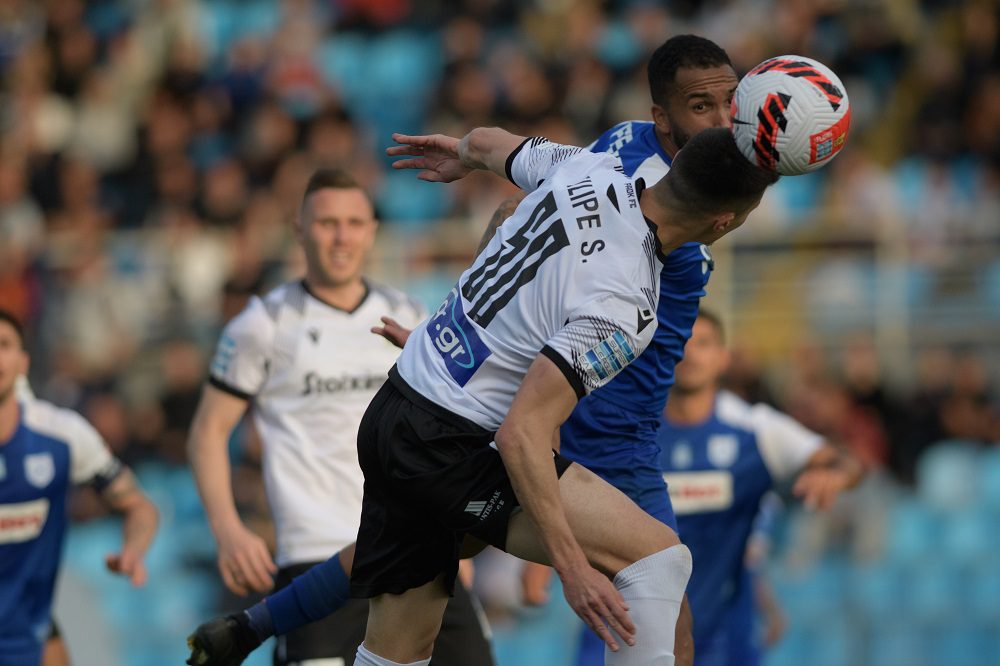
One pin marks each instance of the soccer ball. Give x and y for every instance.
(790, 114)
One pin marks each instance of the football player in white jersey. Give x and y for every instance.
(462, 439)
(44, 450)
(720, 455)
(303, 360)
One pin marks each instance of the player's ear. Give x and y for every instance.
(660, 119)
(721, 221)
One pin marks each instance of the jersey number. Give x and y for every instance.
(491, 286)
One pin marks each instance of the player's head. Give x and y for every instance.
(13, 357)
(705, 356)
(711, 187)
(691, 82)
(336, 227)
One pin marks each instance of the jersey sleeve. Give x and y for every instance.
(532, 161)
(241, 359)
(600, 339)
(91, 459)
(784, 443)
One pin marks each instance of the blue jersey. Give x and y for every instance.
(717, 473)
(613, 430)
(50, 450)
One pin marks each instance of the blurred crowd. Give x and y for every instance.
(153, 152)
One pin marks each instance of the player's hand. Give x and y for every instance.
(819, 487)
(436, 155)
(392, 331)
(129, 564)
(599, 604)
(535, 579)
(244, 561)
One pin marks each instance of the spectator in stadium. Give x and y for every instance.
(720, 455)
(303, 358)
(44, 450)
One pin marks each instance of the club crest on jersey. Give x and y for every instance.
(722, 450)
(39, 469)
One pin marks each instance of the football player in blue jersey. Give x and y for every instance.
(43, 451)
(720, 455)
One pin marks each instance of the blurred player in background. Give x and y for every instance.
(45, 450)
(720, 456)
(304, 359)
(461, 439)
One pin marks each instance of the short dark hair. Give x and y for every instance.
(710, 175)
(333, 178)
(10, 318)
(681, 51)
(715, 321)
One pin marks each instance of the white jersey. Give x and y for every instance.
(310, 369)
(573, 274)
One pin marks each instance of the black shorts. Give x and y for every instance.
(431, 477)
(463, 640)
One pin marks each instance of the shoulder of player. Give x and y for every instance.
(58, 423)
(394, 299)
(736, 412)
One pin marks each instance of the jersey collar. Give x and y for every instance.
(364, 297)
(640, 186)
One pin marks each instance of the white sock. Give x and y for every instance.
(653, 588)
(366, 658)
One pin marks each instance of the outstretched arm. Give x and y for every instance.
(124, 496)
(443, 159)
(829, 471)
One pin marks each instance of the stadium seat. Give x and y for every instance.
(984, 595)
(342, 60)
(961, 643)
(877, 590)
(812, 595)
(946, 475)
(970, 537)
(913, 533)
(989, 478)
(897, 644)
(936, 593)
(403, 198)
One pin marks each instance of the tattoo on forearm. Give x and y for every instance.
(503, 211)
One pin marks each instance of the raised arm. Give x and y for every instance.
(244, 560)
(443, 159)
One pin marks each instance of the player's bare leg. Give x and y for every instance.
(55, 653)
(402, 627)
(626, 544)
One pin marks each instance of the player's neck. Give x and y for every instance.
(10, 415)
(691, 408)
(670, 236)
(666, 143)
(346, 296)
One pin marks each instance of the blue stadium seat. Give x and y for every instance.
(984, 595)
(342, 58)
(989, 478)
(961, 643)
(878, 590)
(812, 595)
(913, 533)
(403, 198)
(897, 644)
(936, 593)
(970, 537)
(946, 475)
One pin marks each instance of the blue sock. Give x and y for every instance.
(311, 596)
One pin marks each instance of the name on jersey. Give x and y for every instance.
(700, 492)
(23, 521)
(583, 196)
(313, 383)
(456, 340)
(620, 137)
(607, 357)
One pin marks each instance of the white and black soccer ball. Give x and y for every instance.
(790, 114)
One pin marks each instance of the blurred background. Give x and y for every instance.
(153, 152)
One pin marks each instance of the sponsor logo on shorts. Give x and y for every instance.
(608, 357)
(483, 509)
(23, 521)
(699, 492)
